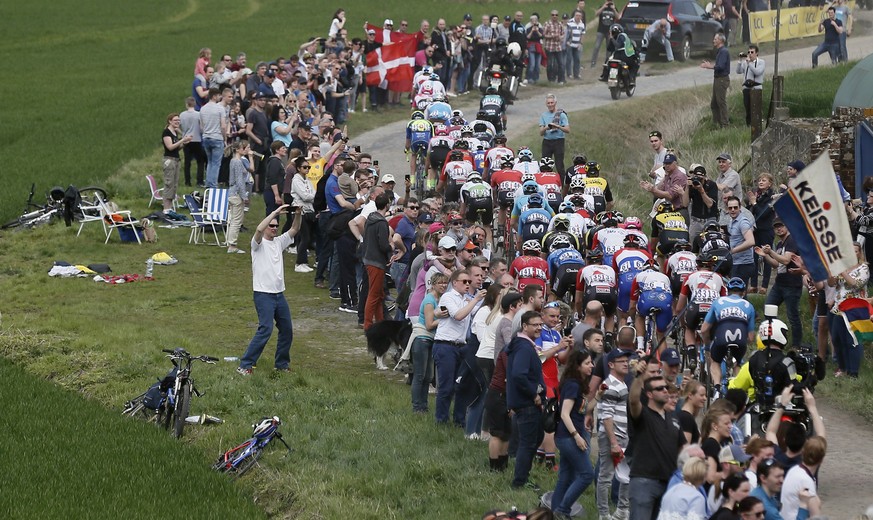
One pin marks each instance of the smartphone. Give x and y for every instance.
(407, 177)
(375, 163)
(358, 148)
(486, 284)
(444, 308)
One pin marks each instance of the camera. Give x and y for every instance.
(695, 182)
(743, 54)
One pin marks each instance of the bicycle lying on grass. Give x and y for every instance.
(37, 214)
(168, 401)
(241, 459)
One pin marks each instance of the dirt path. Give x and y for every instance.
(846, 482)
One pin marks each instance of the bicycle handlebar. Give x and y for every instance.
(182, 353)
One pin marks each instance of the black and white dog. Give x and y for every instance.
(383, 335)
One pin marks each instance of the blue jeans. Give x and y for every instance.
(575, 473)
(214, 149)
(848, 355)
(780, 293)
(270, 307)
(574, 61)
(598, 41)
(421, 372)
(463, 77)
(529, 423)
(844, 51)
(476, 409)
(744, 271)
(446, 358)
(555, 66)
(645, 497)
(533, 64)
(833, 50)
(323, 245)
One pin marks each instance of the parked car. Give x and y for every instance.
(691, 28)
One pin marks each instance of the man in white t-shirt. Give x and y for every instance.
(802, 478)
(268, 283)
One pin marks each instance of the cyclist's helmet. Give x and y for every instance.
(418, 114)
(427, 70)
(501, 42)
(535, 201)
(475, 175)
(264, 426)
(607, 219)
(736, 284)
(507, 162)
(466, 129)
(618, 216)
(562, 221)
(525, 155)
(547, 164)
(579, 159)
(57, 194)
(434, 77)
(632, 240)
(529, 187)
(712, 225)
(681, 245)
(440, 129)
(566, 207)
(462, 144)
(528, 176)
(717, 260)
(615, 29)
(773, 332)
(594, 255)
(560, 242)
(578, 200)
(456, 155)
(577, 183)
(593, 168)
(491, 90)
(633, 223)
(500, 139)
(532, 246)
(457, 113)
(664, 207)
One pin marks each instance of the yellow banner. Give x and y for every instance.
(795, 22)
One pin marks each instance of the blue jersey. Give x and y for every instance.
(563, 256)
(731, 308)
(533, 224)
(438, 111)
(520, 205)
(479, 160)
(418, 133)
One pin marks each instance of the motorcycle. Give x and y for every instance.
(619, 78)
(494, 76)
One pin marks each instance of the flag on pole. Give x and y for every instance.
(856, 312)
(814, 212)
(392, 66)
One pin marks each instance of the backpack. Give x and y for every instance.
(155, 395)
(551, 414)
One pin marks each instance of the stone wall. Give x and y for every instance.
(837, 139)
(781, 143)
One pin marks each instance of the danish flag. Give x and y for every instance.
(392, 66)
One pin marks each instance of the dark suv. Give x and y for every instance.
(691, 29)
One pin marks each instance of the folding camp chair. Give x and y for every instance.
(117, 220)
(215, 208)
(91, 213)
(201, 223)
(157, 193)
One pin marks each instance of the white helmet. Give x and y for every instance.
(528, 176)
(531, 245)
(525, 155)
(475, 175)
(773, 331)
(577, 182)
(514, 49)
(426, 70)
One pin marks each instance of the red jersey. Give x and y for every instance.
(551, 183)
(505, 183)
(530, 270)
(703, 287)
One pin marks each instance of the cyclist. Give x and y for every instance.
(476, 203)
(700, 289)
(524, 161)
(577, 223)
(578, 169)
(467, 136)
(559, 229)
(627, 263)
(668, 227)
(577, 195)
(438, 111)
(418, 134)
(565, 262)
(437, 151)
(768, 369)
(610, 236)
(420, 77)
(598, 188)
(651, 290)
(455, 173)
(680, 265)
(496, 154)
(534, 221)
(597, 282)
(530, 268)
(634, 226)
(711, 232)
(492, 108)
(504, 183)
(429, 90)
(479, 158)
(730, 324)
(550, 181)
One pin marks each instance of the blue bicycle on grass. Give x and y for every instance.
(241, 459)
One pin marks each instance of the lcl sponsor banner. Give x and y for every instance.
(796, 22)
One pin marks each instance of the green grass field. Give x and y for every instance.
(357, 446)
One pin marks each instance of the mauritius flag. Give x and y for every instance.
(856, 312)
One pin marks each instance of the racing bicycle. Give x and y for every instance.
(240, 459)
(420, 181)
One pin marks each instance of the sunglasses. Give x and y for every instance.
(456, 222)
(414, 208)
(655, 134)
(305, 167)
(551, 305)
(756, 514)
(733, 207)
(274, 226)
(465, 282)
(658, 388)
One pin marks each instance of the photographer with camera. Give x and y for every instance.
(703, 196)
(752, 69)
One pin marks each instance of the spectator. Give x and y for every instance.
(442, 48)
(422, 345)
(575, 31)
(554, 126)
(750, 507)
(553, 39)
(525, 395)
(735, 488)
(800, 480)
(280, 128)
(303, 195)
(612, 437)
(732, 15)
(606, 16)
(721, 70)
(190, 126)
(844, 15)
(258, 134)
(760, 204)
(549, 345)
(484, 327)
(770, 479)
(851, 283)
(172, 142)
(728, 179)
(788, 283)
(214, 128)
(684, 500)
(268, 281)
(237, 193)
(832, 28)
(376, 256)
(203, 59)
(695, 400)
(275, 177)
(703, 199)
(404, 239)
(200, 88)
(759, 449)
(658, 31)
(535, 52)
(673, 187)
(337, 22)
(752, 69)
(742, 241)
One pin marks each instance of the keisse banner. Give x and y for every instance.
(796, 22)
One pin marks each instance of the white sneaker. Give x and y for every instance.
(291, 250)
(302, 268)
(472, 437)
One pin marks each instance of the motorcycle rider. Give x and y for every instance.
(504, 57)
(769, 369)
(622, 47)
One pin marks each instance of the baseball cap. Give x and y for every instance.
(724, 157)
(468, 16)
(510, 298)
(436, 226)
(245, 71)
(671, 357)
(447, 243)
(669, 158)
(778, 222)
(388, 21)
(618, 353)
(371, 31)
(387, 178)
(425, 218)
(470, 246)
(797, 165)
(697, 169)
(506, 18)
(304, 126)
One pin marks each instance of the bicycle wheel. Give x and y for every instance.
(420, 176)
(183, 404)
(89, 195)
(134, 406)
(11, 224)
(249, 461)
